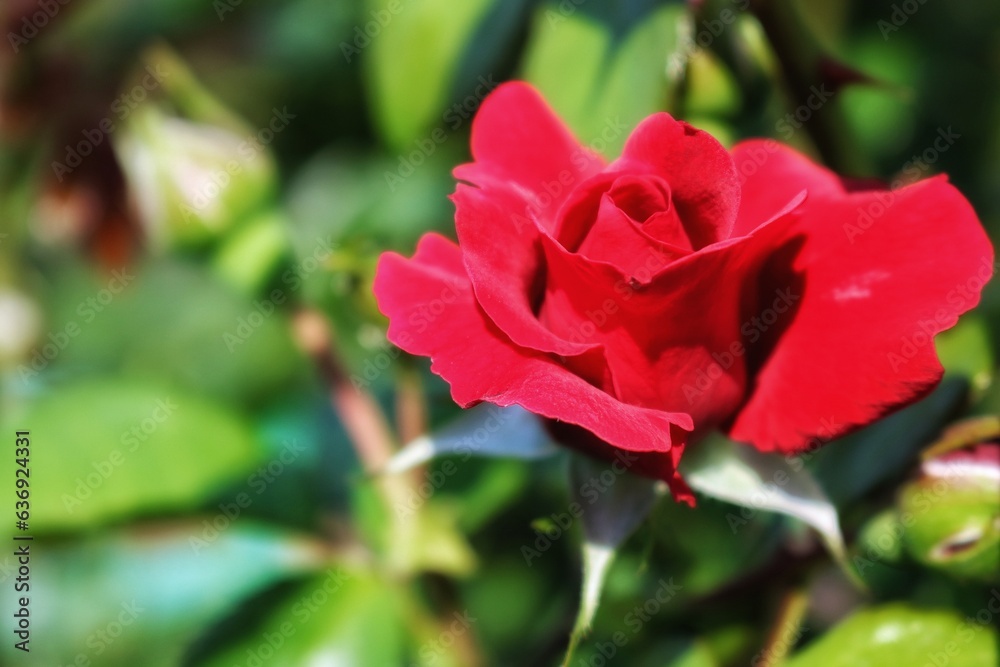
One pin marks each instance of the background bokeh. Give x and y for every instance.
(193, 195)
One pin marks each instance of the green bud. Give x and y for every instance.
(953, 513)
(881, 537)
(195, 170)
(191, 182)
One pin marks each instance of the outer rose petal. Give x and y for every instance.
(518, 140)
(503, 257)
(876, 290)
(773, 175)
(700, 171)
(432, 312)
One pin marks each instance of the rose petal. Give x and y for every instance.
(702, 178)
(772, 175)
(618, 239)
(671, 343)
(519, 141)
(883, 272)
(593, 224)
(432, 312)
(504, 260)
(640, 197)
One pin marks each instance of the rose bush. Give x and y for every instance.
(681, 288)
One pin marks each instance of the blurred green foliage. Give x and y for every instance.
(195, 496)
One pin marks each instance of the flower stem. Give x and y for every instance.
(786, 629)
(361, 415)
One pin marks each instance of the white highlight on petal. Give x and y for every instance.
(860, 286)
(851, 293)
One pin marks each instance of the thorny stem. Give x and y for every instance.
(366, 424)
(367, 428)
(411, 405)
(373, 440)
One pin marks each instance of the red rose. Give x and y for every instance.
(681, 287)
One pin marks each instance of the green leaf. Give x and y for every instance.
(741, 475)
(670, 652)
(213, 340)
(346, 616)
(364, 205)
(486, 430)
(250, 255)
(712, 90)
(410, 529)
(898, 634)
(193, 99)
(966, 350)
(619, 68)
(347, 197)
(881, 114)
(717, 546)
(688, 654)
(413, 60)
(498, 485)
(105, 450)
(435, 544)
(138, 596)
(518, 607)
